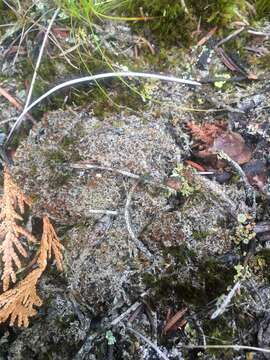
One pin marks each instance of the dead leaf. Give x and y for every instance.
(207, 37)
(256, 173)
(174, 183)
(233, 145)
(209, 139)
(206, 133)
(195, 165)
(175, 320)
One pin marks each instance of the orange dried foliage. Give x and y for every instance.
(213, 138)
(54, 245)
(10, 231)
(18, 304)
(206, 133)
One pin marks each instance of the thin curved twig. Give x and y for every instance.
(234, 347)
(120, 74)
(223, 306)
(85, 166)
(250, 193)
(136, 241)
(149, 342)
(39, 58)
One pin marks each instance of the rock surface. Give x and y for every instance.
(105, 271)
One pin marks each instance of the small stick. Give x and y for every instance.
(136, 241)
(104, 168)
(220, 104)
(149, 342)
(234, 347)
(174, 319)
(85, 348)
(219, 198)
(250, 194)
(103, 212)
(135, 314)
(154, 324)
(262, 227)
(221, 309)
(132, 308)
(258, 33)
(198, 325)
(230, 80)
(231, 36)
(207, 37)
(39, 58)
(131, 175)
(15, 103)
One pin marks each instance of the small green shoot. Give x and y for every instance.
(110, 338)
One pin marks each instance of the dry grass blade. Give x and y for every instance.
(207, 36)
(40, 57)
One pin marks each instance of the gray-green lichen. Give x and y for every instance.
(104, 269)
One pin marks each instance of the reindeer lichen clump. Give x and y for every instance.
(18, 302)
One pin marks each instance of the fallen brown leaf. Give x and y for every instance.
(233, 145)
(203, 40)
(174, 320)
(210, 139)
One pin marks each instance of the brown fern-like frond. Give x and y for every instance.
(18, 303)
(16, 196)
(54, 245)
(10, 231)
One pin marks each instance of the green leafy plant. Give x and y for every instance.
(186, 186)
(242, 273)
(110, 338)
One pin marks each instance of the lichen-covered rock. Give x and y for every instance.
(43, 162)
(102, 222)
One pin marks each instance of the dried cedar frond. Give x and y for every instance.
(54, 245)
(18, 304)
(11, 232)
